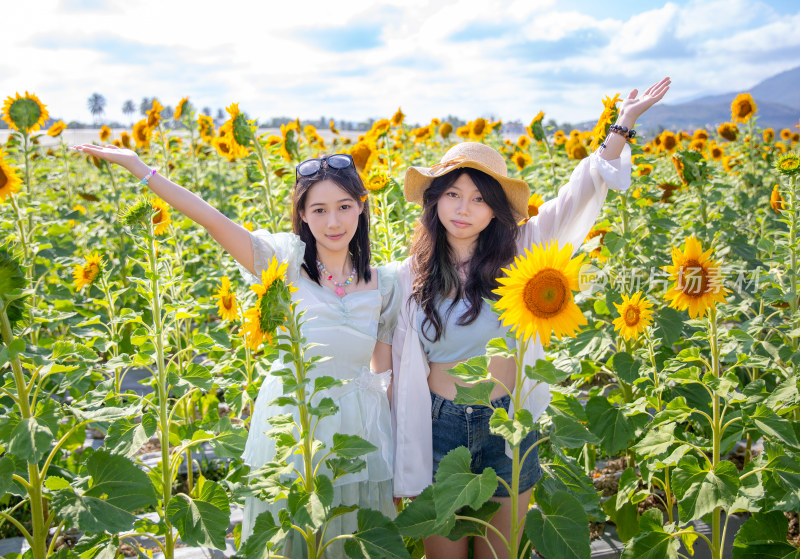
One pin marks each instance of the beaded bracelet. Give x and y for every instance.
(623, 131)
(627, 133)
(146, 178)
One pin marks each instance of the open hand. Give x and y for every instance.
(124, 157)
(633, 107)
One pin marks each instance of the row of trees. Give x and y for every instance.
(97, 105)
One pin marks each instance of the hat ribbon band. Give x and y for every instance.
(440, 167)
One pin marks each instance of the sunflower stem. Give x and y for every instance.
(65, 161)
(554, 183)
(39, 526)
(309, 482)
(793, 256)
(267, 194)
(716, 428)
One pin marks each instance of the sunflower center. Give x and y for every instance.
(744, 110)
(3, 178)
(632, 316)
(694, 279)
(158, 217)
(546, 294)
(227, 301)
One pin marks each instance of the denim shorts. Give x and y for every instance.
(457, 425)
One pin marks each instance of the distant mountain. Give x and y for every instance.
(777, 98)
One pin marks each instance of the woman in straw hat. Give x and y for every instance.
(467, 233)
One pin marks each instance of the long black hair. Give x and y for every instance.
(348, 180)
(434, 261)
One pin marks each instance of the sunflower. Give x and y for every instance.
(125, 140)
(376, 182)
(79, 208)
(716, 151)
(535, 129)
(536, 295)
(142, 133)
(698, 282)
(248, 225)
(601, 232)
(206, 127)
(635, 315)
(105, 133)
(729, 163)
(788, 164)
(332, 126)
(477, 128)
(523, 142)
(644, 169)
(534, 203)
(669, 142)
(445, 129)
(154, 114)
(24, 112)
(363, 155)
(397, 118)
(269, 312)
(183, 106)
(768, 135)
(9, 180)
(161, 218)
(700, 134)
(776, 201)
(728, 130)
(677, 162)
(422, 133)
(57, 129)
(743, 107)
(521, 159)
(85, 274)
(228, 308)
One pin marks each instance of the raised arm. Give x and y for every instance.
(234, 238)
(569, 217)
(630, 110)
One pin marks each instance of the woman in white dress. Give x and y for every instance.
(350, 310)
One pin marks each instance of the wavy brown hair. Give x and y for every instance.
(348, 180)
(434, 264)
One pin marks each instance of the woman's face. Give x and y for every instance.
(463, 212)
(332, 215)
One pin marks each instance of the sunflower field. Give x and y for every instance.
(131, 349)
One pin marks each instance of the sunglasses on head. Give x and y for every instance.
(312, 166)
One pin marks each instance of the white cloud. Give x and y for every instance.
(464, 57)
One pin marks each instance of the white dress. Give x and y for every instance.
(347, 329)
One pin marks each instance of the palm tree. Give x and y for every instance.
(129, 108)
(97, 105)
(145, 105)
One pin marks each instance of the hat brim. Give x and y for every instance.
(418, 179)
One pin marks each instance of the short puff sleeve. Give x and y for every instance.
(286, 247)
(390, 301)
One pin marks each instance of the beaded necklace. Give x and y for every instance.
(329, 276)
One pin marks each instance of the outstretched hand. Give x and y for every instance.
(112, 154)
(633, 107)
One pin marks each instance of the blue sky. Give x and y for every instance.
(355, 60)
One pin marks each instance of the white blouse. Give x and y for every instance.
(568, 218)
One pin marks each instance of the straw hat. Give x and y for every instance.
(476, 156)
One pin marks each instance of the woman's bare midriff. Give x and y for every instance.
(444, 384)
